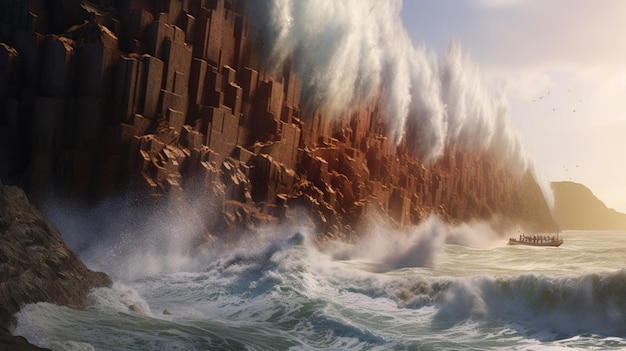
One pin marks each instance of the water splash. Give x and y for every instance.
(129, 240)
(351, 52)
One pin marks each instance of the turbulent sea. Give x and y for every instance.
(430, 288)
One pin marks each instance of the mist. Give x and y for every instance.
(355, 51)
(384, 248)
(130, 240)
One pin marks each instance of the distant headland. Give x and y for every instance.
(577, 208)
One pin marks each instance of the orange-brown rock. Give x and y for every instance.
(170, 98)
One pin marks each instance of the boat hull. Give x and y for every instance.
(556, 243)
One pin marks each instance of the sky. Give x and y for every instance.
(562, 65)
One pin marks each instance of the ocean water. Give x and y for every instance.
(431, 287)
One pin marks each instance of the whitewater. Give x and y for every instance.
(430, 287)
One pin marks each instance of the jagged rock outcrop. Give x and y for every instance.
(35, 263)
(577, 208)
(171, 99)
(10, 342)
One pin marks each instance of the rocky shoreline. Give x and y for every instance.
(9, 342)
(36, 265)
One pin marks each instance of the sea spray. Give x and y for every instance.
(283, 293)
(129, 240)
(351, 52)
(357, 52)
(387, 248)
(474, 233)
(277, 287)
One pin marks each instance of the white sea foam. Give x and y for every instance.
(386, 248)
(351, 52)
(354, 51)
(285, 292)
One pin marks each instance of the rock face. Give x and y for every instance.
(171, 99)
(9, 342)
(576, 207)
(35, 264)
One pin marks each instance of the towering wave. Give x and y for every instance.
(353, 51)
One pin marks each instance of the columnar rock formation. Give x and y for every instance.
(171, 98)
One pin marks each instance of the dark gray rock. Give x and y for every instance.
(136, 308)
(35, 263)
(9, 342)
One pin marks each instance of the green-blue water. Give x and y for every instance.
(422, 290)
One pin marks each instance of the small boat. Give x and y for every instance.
(537, 240)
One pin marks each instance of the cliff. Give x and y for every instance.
(576, 207)
(173, 101)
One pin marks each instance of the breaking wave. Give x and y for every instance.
(283, 291)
